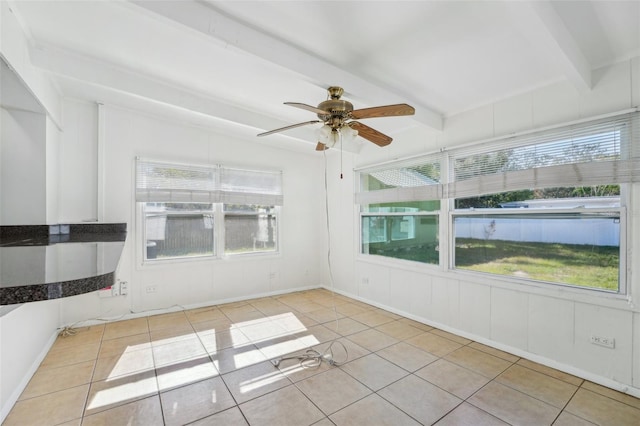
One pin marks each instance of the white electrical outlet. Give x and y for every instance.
(151, 289)
(607, 342)
(124, 288)
(365, 281)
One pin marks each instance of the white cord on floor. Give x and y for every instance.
(72, 330)
(313, 358)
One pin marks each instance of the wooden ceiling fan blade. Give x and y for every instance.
(384, 111)
(321, 147)
(293, 126)
(370, 134)
(307, 107)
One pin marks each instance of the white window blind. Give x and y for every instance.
(595, 153)
(415, 181)
(251, 187)
(168, 182)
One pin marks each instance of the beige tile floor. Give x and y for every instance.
(212, 366)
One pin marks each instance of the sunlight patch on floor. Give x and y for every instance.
(125, 392)
(260, 381)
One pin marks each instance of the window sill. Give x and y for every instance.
(249, 256)
(208, 259)
(408, 265)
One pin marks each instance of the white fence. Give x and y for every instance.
(591, 231)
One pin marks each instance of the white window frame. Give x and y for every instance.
(625, 166)
(405, 188)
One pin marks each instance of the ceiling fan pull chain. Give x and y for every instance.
(341, 146)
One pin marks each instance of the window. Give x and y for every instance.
(409, 235)
(405, 229)
(544, 206)
(207, 211)
(585, 156)
(250, 229)
(175, 230)
(572, 248)
(512, 218)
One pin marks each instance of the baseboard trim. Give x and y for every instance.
(178, 308)
(6, 409)
(569, 369)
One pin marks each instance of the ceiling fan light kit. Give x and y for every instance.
(338, 115)
(329, 136)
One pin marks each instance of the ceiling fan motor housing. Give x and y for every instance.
(335, 108)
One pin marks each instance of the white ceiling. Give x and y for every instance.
(236, 62)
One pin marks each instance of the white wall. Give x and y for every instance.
(549, 325)
(52, 170)
(28, 180)
(128, 134)
(78, 160)
(23, 169)
(27, 334)
(28, 196)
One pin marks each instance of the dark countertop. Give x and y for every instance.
(49, 240)
(52, 261)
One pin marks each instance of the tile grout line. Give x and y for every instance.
(418, 377)
(210, 358)
(219, 375)
(479, 408)
(237, 404)
(295, 384)
(608, 397)
(582, 381)
(567, 404)
(95, 365)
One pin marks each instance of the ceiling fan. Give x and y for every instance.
(338, 115)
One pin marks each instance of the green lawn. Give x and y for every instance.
(425, 253)
(581, 265)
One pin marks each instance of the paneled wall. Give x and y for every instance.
(128, 134)
(549, 325)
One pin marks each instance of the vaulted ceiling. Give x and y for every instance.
(236, 62)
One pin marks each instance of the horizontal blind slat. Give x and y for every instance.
(600, 152)
(416, 180)
(168, 182)
(585, 143)
(566, 175)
